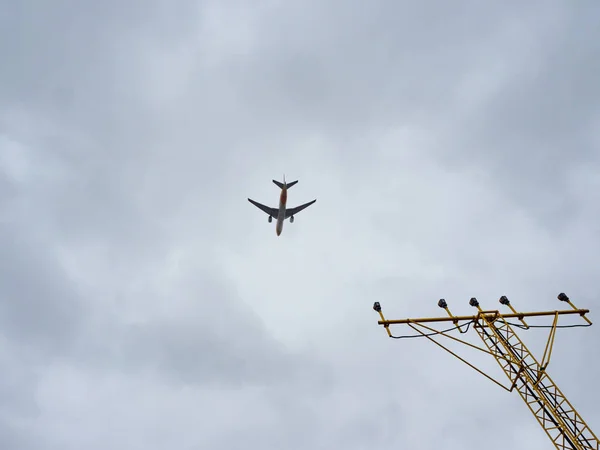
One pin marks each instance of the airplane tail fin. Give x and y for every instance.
(281, 185)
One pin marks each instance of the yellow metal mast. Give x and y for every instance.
(557, 416)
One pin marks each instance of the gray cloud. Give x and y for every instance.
(201, 336)
(146, 304)
(539, 125)
(38, 305)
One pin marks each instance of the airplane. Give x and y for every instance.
(282, 212)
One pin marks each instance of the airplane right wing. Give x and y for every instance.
(273, 212)
(297, 209)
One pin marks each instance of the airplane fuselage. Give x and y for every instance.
(281, 215)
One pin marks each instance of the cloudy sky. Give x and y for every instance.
(145, 304)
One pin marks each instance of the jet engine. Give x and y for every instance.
(292, 219)
(270, 219)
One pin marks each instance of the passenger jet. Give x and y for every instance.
(282, 212)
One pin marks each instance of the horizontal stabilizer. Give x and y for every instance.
(280, 184)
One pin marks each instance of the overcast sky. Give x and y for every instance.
(452, 147)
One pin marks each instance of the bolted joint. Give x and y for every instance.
(377, 306)
(563, 297)
(442, 303)
(473, 302)
(504, 300)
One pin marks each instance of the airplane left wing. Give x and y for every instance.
(273, 212)
(293, 211)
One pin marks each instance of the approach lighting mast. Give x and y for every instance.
(559, 419)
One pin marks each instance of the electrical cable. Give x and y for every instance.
(409, 336)
(468, 324)
(519, 325)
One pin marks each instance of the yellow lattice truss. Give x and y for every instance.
(557, 416)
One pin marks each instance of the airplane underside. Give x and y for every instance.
(282, 213)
